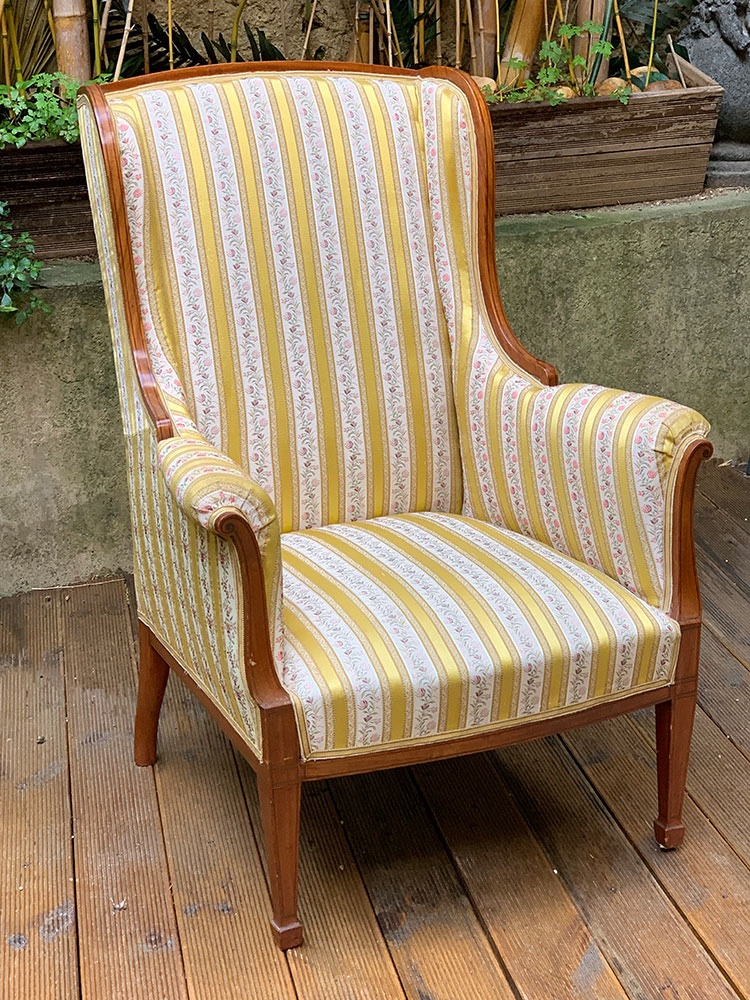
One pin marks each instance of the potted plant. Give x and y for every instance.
(41, 168)
(567, 135)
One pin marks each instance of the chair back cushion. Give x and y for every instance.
(284, 248)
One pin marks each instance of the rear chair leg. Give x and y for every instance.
(674, 728)
(280, 792)
(152, 682)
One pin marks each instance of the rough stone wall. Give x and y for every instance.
(284, 24)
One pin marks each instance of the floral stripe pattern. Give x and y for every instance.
(187, 577)
(322, 368)
(448, 545)
(409, 627)
(587, 470)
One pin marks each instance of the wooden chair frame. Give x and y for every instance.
(281, 773)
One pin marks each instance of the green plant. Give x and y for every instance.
(43, 107)
(561, 72)
(19, 270)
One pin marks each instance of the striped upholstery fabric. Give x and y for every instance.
(408, 627)
(187, 578)
(477, 548)
(321, 367)
(587, 470)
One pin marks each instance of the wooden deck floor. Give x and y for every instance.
(529, 872)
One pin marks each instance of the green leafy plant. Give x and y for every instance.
(43, 107)
(561, 72)
(19, 270)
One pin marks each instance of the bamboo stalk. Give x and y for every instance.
(371, 46)
(95, 29)
(389, 29)
(458, 34)
(13, 38)
(415, 44)
(309, 28)
(124, 42)
(438, 34)
(653, 44)
(621, 33)
(103, 30)
(421, 32)
(144, 37)
(71, 29)
(50, 22)
(676, 61)
(236, 30)
(522, 40)
(170, 31)
(480, 19)
(6, 46)
(470, 32)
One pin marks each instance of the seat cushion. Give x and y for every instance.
(407, 628)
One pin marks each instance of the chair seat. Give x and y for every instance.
(407, 628)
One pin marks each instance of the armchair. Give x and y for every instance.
(369, 528)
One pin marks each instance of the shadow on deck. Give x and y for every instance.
(528, 872)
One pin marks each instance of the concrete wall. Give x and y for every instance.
(653, 298)
(63, 507)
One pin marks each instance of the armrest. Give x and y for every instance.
(590, 471)
(212, 489)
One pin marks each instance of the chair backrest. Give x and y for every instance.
(298, 295)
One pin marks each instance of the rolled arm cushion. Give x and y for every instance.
(588, 470)
(207, 483)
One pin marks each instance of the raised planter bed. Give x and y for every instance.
(44, 184)
(597, 151)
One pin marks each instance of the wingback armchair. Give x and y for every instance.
(370, 529)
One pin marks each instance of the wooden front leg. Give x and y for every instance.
(280, 793)
(674, 729)
(153, 675)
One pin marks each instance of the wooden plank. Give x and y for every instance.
(129, 945)
(217, 878)
(435, 938)
(602, 125)
(725, 605)
(45, 186)
(640, 933)
(344, 954)
(718, 779)
(729, 489)
(38, 949)
(704, 878)
(724, 690)
(542, 940)
(528, 184)
(718, 539)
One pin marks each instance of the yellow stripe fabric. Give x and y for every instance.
(187, 579)
(301, 300)
(402, 628)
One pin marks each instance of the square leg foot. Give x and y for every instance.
(669, 835)
(287, 936)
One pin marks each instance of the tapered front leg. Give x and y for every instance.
(153, 675)
(674, 728)
(280, 792)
